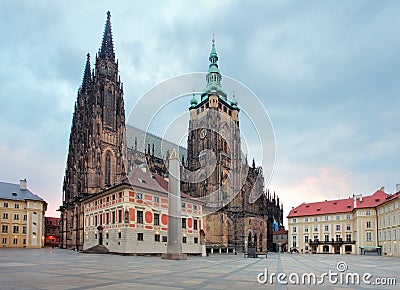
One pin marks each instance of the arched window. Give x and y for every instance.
(107, 180)
(109, 109)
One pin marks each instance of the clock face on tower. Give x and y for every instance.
(203, 133)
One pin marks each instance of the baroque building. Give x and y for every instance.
(100, 140)
(132, 217)
(21, 216)
(354, 225)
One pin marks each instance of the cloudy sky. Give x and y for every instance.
(328, 73)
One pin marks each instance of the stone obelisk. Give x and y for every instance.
(174, 246)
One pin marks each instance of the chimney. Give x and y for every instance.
(382, 189)
(355, 196)
(397, 187)
(23, 184)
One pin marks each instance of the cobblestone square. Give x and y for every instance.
(64, 269)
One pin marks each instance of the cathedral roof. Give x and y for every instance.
(144, 138)
(143, 178)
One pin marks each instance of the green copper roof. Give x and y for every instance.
(213, 76)
(213, 53)
(213, 69)
(193, 101)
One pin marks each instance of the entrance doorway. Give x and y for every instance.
(337, 249)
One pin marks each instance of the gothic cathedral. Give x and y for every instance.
(215, 169)
(97, 140)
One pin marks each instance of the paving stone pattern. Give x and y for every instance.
(64, 269)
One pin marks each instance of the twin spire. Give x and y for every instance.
(107, 46)
(106, 51)
(87, 77)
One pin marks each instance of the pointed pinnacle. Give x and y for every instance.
(173, 155)
(107, 45)
(87, 78)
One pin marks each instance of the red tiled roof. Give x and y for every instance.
(164, 184)
(52, 219)
(339, 205)
(152, 181)
(392, 196)
(280, 232)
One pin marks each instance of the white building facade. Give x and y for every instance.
(132, 217)
(344, 226)
(389, 224)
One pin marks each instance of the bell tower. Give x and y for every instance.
(214, 158)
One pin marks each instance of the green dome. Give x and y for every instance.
(213, 69)
(193, 101)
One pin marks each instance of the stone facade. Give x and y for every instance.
(217, 172)
(21, 216)
(97, 139)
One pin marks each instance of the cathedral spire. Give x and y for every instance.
(213, 76)
(87, 77)
(107, 46)
(213, 67)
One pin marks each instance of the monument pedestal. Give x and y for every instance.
(174, 256)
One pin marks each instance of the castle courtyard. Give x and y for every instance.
(49, 268)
